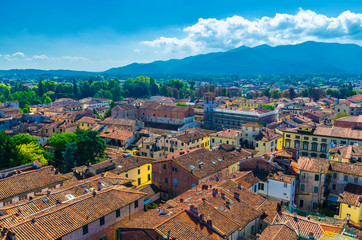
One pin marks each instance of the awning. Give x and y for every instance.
(333, 199)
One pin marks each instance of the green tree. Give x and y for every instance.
(40, 88)
(340, 115)
(47, 100)
(266, 92)
(59, 142)
(90, 147)
(31, 152)
(9, 153)
(292, 93)
(182, 104)
(275, 94)
(22, 138)
(70, 156)
(268, 107)
(75, 89)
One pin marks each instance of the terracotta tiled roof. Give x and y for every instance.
(346, 151)
(301, 225)
(227, 133)
(118, 121)
(227, 211)
(202, 162)
(192, 134)
(117, 134)
(28, 181)
(340, 132)
(315, 165)
(246, 179)
(352, 195)
(267, 135)
(278, 232)
(348, 168)
(65, 218)
(88, 120)
(279, 176)
(121, 164)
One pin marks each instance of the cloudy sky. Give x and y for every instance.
(97, 35)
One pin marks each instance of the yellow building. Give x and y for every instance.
(315, 141)
(346, 153)
(268, 141)
(252, 103)
(86, 123)
(227, 136)
(138, 169)
(350, 203)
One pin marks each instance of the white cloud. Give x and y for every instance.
(40, 57)
(18, 54)
(213, 34)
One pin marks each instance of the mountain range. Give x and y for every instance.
(304, 58)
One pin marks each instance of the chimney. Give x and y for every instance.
(214, 192)
(48, 193)
(239, 185)
(223, 195)
(237, 196)
(279, 208)
(204, 200)
(194, 209)
(99, 185)
(202, 218)
(181, 200)
(209, 222)
(227, 204)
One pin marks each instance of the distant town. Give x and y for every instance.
(264, 157)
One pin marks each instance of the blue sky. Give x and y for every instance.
(97, 35)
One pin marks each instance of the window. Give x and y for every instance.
(324, 140)
(174, 182)
(315, 189)
(148, 167)
(257, 145)
(333, 186)
(315, 205)
(164, 166)
(288, 135)
(323, 148)
(303, 175)
(261, 186)
(301, 203)
(296, 144)
(287, 143)
(126, 174)
(148, 177)
(349, 215)
(355, 180)
(305, 145)
(314, 146)
(85, 229)
(345, 178)
(136, 204)
(213, 140)
(314, 139)
(334, 175)
(118, 213)
(139, 171)
(316, 177)
(101, 221)
(193, 185)
(285, 185)
(297, 137)
(166, 180)
(139, 181)
(302, 187)
(174, 169)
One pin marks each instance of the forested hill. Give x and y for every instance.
(304, 58)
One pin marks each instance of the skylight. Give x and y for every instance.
(201, 163)
(212, 161)
(192, 167)
(70, 196)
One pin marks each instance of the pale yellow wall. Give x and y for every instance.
(355, 212)
(145, 171)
